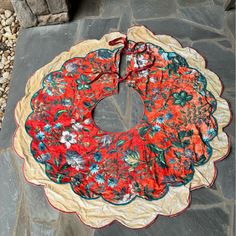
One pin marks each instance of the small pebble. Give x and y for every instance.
(9, 28)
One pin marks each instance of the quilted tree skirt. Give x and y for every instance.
(135, 175)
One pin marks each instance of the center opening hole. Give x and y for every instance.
(120, 112)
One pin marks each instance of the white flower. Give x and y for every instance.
(87, 121)
(67, 138)
(106, 140)
(76, 125)
(142, 61)
(153, 80)
(143, 73)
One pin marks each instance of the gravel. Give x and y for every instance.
(9, 28)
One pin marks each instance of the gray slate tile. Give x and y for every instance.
(208, 14)
(81, 9)
(9, 194)
(205, 196)
(113, 8)
(180, 29)
(153, 8)
(70, 225)
(198, 222)
(225, 43)
(219, 2)
(230, 21)
(226, 174)
(125, 19)
(42, 229)
(187, 3)
(38, 207)
(96, 28)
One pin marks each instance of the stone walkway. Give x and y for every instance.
(201, 24)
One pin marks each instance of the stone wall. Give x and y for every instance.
(40, 12)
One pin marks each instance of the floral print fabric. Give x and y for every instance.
(160, 151)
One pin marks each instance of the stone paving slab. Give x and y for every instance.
(24, 209)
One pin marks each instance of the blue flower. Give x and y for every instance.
(57, 125)
(211, 133)
(66, 102)
(40, 135)
(42, 146)
(156, 128)
(49, 92)
(97, 156)
(160, 119)
(44, 157)
(171, 55)
(165, 56)
(188, 153)
(74, 159)
(112, 182)
(169, 116)
(104, 53)
(47, 128)
(99, 179)
(172, 161)
(71, 67)
(94, 168)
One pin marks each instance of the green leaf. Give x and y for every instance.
(48, 167)
(185, 143)
(189, 133)
(59, 178)
(58, 113)
(87, 104)
(148, 192)
(108, 89)
(149, 108)
(151, 134)
(178, 155)
(143, 130)
(153, 148)
(181, 134)
(112, 151)
(177, 144)
(160, 159)
(64, 167)
(189, 97)
(201, 161)
(84, 78)
(175, 95)
(164, 95)
(120, 143)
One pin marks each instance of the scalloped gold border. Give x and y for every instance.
(139, 213)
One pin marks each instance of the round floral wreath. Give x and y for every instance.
(162, 150)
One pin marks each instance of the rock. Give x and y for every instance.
(38, 7)
(57, 6)
(6, 75)
(9, 36)
(7, 29)
(53, 18)
(2, 80)
(1, 65)
(7, 13)
(24, 14)
(9, 21)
